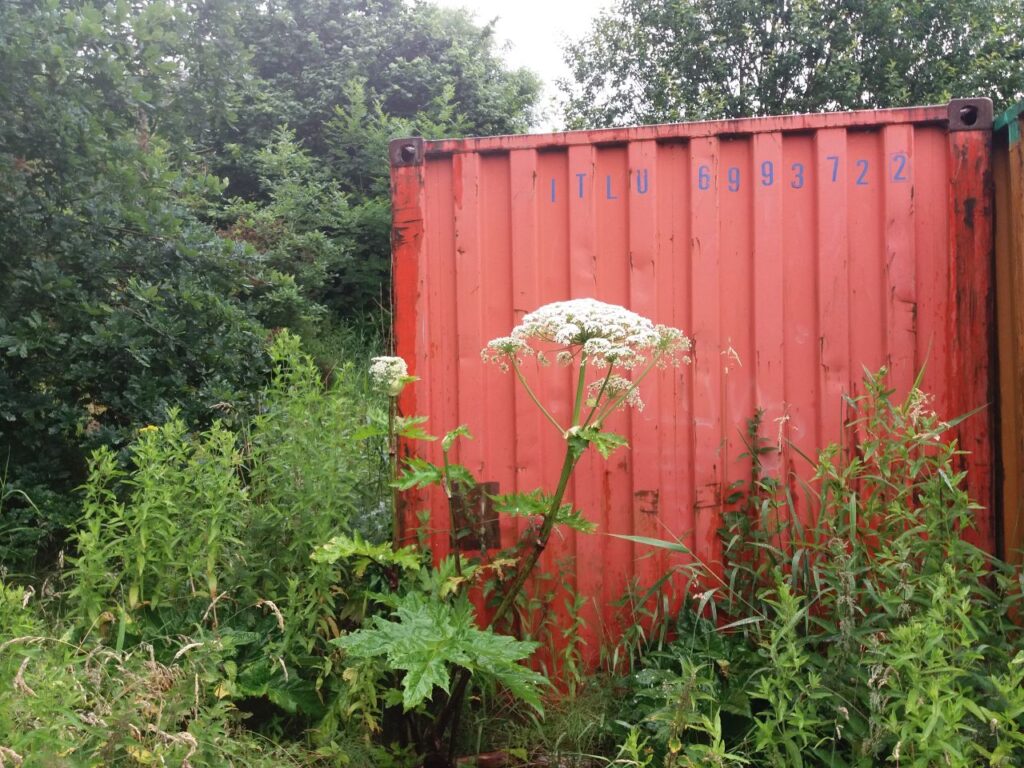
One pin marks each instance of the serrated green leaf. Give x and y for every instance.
(428, 638)
(605, 442)
(368, 431)
(526, 504)
(450, 437)
(411, 428)
(354, 547)
(538, 503)
(460, 475)
(573, 518)
(419, 474)
(418, 684)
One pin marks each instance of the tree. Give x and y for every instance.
(648, 61)
(180, 177)
(345, 77)
(116, 302)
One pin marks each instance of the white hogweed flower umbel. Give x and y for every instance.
(591, 334)
(614, 386)
(390, 374)
(609, 335)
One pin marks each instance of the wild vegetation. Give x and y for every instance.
(198, 561)
(179, 179)
(233, 599)
(659, 61)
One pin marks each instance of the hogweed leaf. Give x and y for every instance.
(537, 503)
(460, 475)
(419, 474)
(344, 547)
(450, 437)
(428, 638)
(606, 443)
(411, 428)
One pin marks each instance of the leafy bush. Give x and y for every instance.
(86, 704)
(118, 301)
(879, 635)
(209, 537)
(126, 130)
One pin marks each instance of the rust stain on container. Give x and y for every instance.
(795, 250)
(646, 502)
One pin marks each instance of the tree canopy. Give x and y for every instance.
(178, 178)
(648, 61)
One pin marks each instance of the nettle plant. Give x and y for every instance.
(429, 643)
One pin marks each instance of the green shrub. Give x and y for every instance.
(208, 538)
(879, 635)
(86, 704)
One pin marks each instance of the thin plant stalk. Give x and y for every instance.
(600, 394)
(534, 398)
(568, 464)
(396, 528)
(523, 573)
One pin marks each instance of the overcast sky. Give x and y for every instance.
(536, 31)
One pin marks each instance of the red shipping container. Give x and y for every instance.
(796, 251)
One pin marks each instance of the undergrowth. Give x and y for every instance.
(191, 590)
(879, 635)
(202, 621)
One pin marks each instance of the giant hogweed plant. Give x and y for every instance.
(433, 643)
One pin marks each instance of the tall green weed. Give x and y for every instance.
(207, 539)
(68, 704)
(878, 635)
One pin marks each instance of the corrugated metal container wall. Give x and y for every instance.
(796, 251)
(1008, 166)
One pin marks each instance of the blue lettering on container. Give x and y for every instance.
(899, 167)
(641, 182)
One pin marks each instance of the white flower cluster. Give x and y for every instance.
(390, 374)
(607, 334)
(499, 351)
(612, 388)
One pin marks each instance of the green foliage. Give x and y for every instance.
(86, 704)
(349, 75)
(605, 443)
(211, 534)
(346, 77)
(666, 61)
(118, 303)
(537, 503)
(295, 230)
(880, 635)
(362, 553)
(429, 637)
(419, 473)
(574, 730)
(127, 129)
